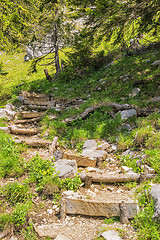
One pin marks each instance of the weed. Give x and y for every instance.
(111, 220)
(147, 228)
(16, 193)
(10, 164)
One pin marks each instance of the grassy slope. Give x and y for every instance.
(100, 124)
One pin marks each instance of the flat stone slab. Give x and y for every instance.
(61, 237)
(90, 144)
(97, 206)
(155, 193)
(99, 155)
(111, 235)
(81, 161)
(66, 168)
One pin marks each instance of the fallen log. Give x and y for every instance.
(54, 145)
(116, 106)
(39, 103)
(39, 143)
(23, 131)
(117, 178)
(37, 119)
(35, 107)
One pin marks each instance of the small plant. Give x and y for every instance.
(10, 164)
(111, 220)
(147, 228)
(16, 193)
(20, 215)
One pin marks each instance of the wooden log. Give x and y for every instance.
(37, 143)
(88, 182)
(49, 78)
(81, 161)
(54, 145)
(23, 131)
(39, 103)
(84, 114)
(63, 208)
(117, 178)
(28, 115)
(142, 177)
(35, 107)
(37, 119)
(123, 212)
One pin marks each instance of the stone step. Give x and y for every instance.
(81, 161)
(72, 203)
(29, 115)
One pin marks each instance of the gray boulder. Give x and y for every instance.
(111, 235)
(94, 154)
(7, 112)
(90, 144)
(155, 193)
(66, 168)
(125, 114)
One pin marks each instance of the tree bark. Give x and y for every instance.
(116, 106)
(117, 178)
(56, 47)
(123, 213)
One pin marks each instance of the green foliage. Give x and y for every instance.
(16, 193)
(20, 214)
(111, 220)
(70, 184)
(5, 221)
(28, 233)
(130, 162)
(147, 228)
(10, 164)
(39, 169)
(18, 218)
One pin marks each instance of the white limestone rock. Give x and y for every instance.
(111, 235)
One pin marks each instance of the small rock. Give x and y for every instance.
(155, 193)
(156, 63)
(103, 146)
(66, 168)
(90, 144)
(111, 235)
(50, 211)
(148, 169)
(135, 92)
(125, 169)
(139, 162)
(128, 152)
(94, 154)
(62, 237)
(125, 114)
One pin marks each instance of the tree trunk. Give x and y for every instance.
(57, 64)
